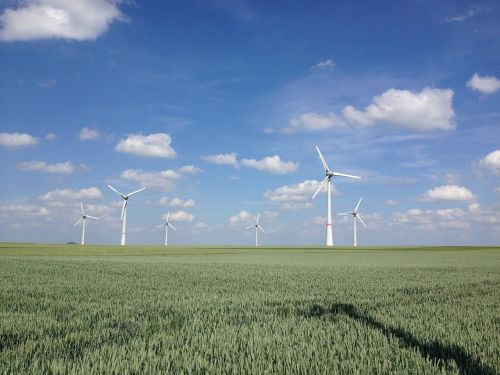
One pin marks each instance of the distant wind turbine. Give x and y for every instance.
(124, 211)
(83, 219)
(355, 215)
(166, 224)
(329, 175)
(257, 227)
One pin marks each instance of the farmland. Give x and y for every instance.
(98, 309)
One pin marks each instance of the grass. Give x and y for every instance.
(98, 309)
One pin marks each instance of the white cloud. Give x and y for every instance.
(177, 202)
(152, 146)
(189, 169)
(272, 164)
(179, 216)
(485, 85)
(324, 65)
(15, 140)
(300, 192)
(426, 111)
(24, 210)
(45, 19)
(228, 159)
(313, 121)
(497, 190)
(453, 219)
(447, 193)
(50, 137)
(201, 226)
(69, 194)
(162, 179)
(491, 162)
(241, 217)
(391, 202)
(40, 166)
(87, 134)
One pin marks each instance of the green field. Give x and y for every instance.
(97, 309)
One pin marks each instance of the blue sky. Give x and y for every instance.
(215, 106)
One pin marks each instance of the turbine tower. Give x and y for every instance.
(327, 181)
(166, 224)
(83, 219)
(355, 215)
(257, 227)
(124, 211)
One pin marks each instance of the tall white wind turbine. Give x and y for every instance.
(257, 227)
(355, 215)
(125, 198)
(83, 219)
(166, 224)
(327, 181)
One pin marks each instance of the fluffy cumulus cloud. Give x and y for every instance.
(313, 121)
(294, 193)
(272, 164)
(447, 193)
(179, 216)
(241, 217)
(425, 111)
(45, 19)
(70, 194)
(177, 202)
(20, 210)
(87, 134)
(228, 159)
(161, 179)
(40, 166)
(491, 162)
(17, 140)
(189, 169)
(485, 85)
(452, 219)
(152, 146)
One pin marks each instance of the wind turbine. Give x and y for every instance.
(166, 224)
(257, 227)
(327, 180)
(355, 215)
(83, 218)
(124, 211)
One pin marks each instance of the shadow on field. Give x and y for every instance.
(436, 351)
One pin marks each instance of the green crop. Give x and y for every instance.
(74, 309)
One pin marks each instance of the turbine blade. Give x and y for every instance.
(171, 226)
(81, 206)
(250, 226)
(123, 209)
(161, 225)
(357, 206)
(344, 214)
(129, 194)
(359, 217)
(322, 160)
(257, 221)
(320, 187)
(346, 175)
(168, 215)
(258, 226)
(116, 191)
(93, 217)
(78, 222)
